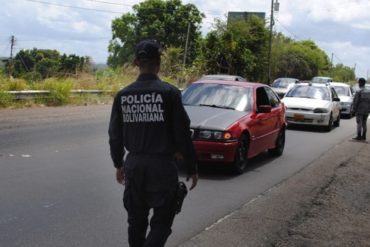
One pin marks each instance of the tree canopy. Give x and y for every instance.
(166, 21)
(38, 64)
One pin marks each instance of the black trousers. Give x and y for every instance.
(151, 183)
(361, 120)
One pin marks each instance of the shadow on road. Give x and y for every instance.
(224, 171)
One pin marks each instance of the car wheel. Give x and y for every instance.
(330, 124)
(279, 144)
(337, 123)
(241, 153)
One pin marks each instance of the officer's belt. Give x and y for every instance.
(152, 155)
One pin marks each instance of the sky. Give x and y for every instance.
(339, 27)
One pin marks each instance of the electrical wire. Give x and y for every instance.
(73, 7)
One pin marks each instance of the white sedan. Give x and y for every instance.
(346, 94)
(313, 104)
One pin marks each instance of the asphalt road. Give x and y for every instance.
(57, 184)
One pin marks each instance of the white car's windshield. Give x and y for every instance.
(218, 95)
(310, 92)
(342, 91)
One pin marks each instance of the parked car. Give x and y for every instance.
(313, 104)
(346, 94)
(321, 79)
(232, 121)
(223, 77)
(282, 85)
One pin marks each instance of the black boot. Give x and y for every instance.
(363, 137)
(358, 137)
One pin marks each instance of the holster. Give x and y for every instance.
(181, 193)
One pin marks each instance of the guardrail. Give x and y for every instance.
(31, 94)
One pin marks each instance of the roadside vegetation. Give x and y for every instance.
(238, 46)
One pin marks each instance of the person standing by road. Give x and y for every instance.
(149, 121)
(361, 107)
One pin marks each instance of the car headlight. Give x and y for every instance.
(320, 110)
(215, 135)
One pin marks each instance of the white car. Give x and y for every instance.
(346, 94)
(313, 104)
(282, 85)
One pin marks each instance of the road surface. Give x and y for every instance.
(57, 185)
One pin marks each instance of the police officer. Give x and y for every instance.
(361, 106)
(150, 128)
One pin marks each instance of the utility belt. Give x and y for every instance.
(165, 156)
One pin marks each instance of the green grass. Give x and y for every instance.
(110, 81)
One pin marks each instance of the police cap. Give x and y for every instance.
(147, 50)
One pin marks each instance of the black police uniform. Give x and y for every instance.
(150, 122)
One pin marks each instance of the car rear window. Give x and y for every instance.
(310, 92)
(342, 91)
(227, 96)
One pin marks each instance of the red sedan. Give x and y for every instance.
(233, 121)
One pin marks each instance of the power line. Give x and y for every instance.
(73, 7)
(111, 3)
(71, 39)
(286, 29)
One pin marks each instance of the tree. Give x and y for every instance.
(343, 73)
(299, 59)
(37, 64)
(238, 47)
(165, 21)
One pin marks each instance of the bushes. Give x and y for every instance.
(59, 91)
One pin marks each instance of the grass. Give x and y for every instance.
(110, 81)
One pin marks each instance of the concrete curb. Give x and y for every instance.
(259, 221)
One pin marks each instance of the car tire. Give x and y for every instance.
(329, 127)
(279, 144)
(337, 123)
(241, 155)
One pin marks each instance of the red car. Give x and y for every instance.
(233, 121)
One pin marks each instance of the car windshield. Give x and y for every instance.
(310, 92)
(218, 95)
(342, 91)
(282, 83)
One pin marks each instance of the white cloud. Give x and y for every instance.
(350, 55)
(339, 26)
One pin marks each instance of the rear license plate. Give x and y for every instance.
(298, 117)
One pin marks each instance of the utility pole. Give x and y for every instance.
(186, 44)
(10, 66)
(274, 7)
(12, 43)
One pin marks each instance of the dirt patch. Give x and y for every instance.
(339, 215)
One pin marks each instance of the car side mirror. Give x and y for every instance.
(336, 99)
(264, 109)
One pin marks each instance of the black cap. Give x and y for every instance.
(362, 80)
(147, 50)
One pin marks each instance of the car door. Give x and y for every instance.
(336, 104)
(263, 124)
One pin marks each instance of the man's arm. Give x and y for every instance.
(356, 101)
(116, 134)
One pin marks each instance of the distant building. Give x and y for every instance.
(237, 16)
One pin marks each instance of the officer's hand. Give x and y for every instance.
(120, 176)
(194, 179)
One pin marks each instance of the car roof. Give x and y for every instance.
(342, 84)
(286, 79)
(223, 77)
(313, 84)
(232, 83)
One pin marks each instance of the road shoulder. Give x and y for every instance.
(310, 208)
